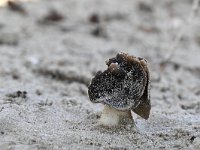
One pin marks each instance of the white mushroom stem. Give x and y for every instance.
(112, 117)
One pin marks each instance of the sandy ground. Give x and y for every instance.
(46, 64)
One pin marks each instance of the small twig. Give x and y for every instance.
(172, 49)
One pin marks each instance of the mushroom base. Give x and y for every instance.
(113, 117)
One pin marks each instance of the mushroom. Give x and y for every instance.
(122, 87)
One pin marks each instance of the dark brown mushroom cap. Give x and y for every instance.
(143, 109)
(123, 85)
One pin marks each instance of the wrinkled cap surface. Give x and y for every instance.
(124, 85)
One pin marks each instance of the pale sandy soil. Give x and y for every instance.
(45, 68)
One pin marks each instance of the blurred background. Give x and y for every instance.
(4, 2)
(50, 50)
